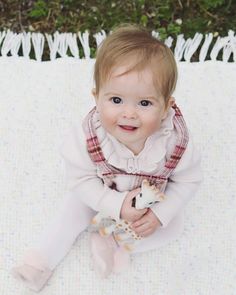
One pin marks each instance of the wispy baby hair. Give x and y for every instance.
(133, 46)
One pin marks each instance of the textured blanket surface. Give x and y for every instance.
(38, 104)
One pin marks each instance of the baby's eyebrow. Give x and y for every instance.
(148, 97)
(153, 98)
(112, 93)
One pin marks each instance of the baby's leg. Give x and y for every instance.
(58, 237)
(54, 243)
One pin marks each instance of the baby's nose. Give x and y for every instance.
(129, 112)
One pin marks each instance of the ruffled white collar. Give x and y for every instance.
(119, 156)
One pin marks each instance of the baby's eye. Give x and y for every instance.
(116, 100)
(145, 103)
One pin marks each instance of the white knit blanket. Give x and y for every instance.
(38, 103)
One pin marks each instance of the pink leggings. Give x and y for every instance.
(59, 236)
(74, 217)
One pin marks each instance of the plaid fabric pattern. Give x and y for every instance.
(181, 144)
(109, 172)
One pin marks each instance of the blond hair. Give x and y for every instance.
(135, 47)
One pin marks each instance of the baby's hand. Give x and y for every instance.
(147, 224)
(128, 212)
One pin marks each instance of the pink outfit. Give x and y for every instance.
(87, 193)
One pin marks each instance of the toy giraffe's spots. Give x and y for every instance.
(93, 221)
(128, 247)
(117, 238)
(103, 232)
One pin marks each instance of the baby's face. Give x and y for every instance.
(130, 108)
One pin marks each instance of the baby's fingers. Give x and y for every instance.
(139, 213)
(142, 211)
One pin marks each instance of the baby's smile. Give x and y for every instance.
(128, 128)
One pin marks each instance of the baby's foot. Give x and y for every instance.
(102, 249)
(33, 278)
(121, 260)
(33, 272)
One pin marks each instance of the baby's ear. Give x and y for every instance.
(171, 101)
(94, 93)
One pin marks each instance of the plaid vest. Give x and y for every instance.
(110, 172)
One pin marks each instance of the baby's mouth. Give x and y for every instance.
(128, 128)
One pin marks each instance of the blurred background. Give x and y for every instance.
(169, 17)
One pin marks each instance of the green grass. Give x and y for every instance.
(168, 17)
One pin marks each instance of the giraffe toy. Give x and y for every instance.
(121, 230)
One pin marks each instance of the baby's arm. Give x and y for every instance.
(180, 189)
(182, 185)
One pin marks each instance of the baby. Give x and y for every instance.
(135, 132)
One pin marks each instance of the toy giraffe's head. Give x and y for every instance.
(148, 196)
